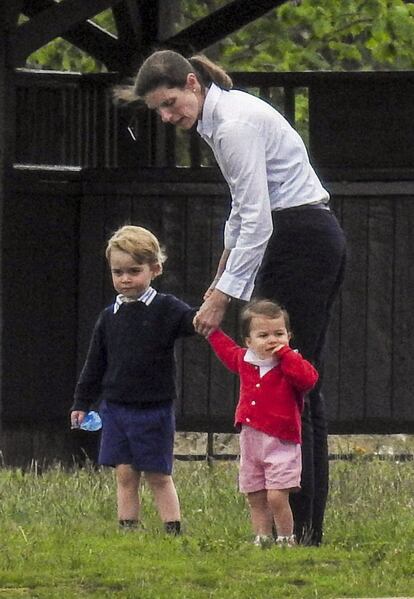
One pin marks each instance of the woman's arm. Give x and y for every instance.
(220, 269)
(241, 154)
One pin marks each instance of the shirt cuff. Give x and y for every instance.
(235, 287)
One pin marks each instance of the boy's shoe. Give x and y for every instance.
(128, 524)
(263, 541)
(288, 541)
(173, 528)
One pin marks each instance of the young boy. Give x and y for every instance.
(130, 367)
(273, 380)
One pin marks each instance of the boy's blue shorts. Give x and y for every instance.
(142, 437)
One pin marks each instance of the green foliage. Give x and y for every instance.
(59, 55)
(339, 36)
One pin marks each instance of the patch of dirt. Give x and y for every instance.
(227, 443)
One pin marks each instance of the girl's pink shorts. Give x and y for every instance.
(268, 462)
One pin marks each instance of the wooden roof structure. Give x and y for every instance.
(137, 23)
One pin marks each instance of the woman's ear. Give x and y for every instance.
(192, 81)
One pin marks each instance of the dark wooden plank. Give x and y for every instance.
(403, 313)
(92, 270)
(127, 21)
(373, 135)
(354, 312)
(332, 372)
(40, 307)
(195, 384)
(381, 262)
(172, 238)
(223, 385)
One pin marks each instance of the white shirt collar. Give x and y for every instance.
(146, 298)
(264, 365)
(205, 124)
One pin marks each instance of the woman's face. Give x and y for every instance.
(180, 107)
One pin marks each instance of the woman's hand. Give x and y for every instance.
(211, 312)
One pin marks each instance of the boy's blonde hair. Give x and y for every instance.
(261, 307)
(139, 243)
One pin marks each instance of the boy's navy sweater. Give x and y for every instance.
(131, 354)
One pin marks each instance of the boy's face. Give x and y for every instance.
(130, 277)
(267, 335)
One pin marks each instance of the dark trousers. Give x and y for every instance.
(302, 269)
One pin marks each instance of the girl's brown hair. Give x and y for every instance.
(261, 307)
(166, 68)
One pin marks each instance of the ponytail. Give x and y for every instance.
(210, 72)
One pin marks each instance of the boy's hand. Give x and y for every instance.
(76, 418)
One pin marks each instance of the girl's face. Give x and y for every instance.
(267, 335)
(179, 107)
(129, 277)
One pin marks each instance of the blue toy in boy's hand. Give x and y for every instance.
(91, 422)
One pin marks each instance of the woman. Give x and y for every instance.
(281, 240)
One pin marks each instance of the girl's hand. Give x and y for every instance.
(279, 346)
(211, 313)
(76, 418)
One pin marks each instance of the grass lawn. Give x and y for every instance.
(59, 538)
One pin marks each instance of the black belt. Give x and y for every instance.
(318, 206)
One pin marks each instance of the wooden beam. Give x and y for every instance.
(138, 32)
(8, 19)
(50, 19)
(219, 24)
(13, 12)
(128, 21)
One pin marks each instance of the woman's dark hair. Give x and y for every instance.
(170, 69)
(261, 307)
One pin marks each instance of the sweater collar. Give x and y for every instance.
(146, 298)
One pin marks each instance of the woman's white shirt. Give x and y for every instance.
(266, 166)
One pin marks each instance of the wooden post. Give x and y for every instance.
(7, 18)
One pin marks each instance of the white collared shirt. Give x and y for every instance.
(146, 298)
(264, 365)
(266, 166)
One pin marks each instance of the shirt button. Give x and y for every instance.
(247, 419)
(258, 385)
(253, 403)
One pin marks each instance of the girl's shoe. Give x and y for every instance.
(288, 541)
(263, 541)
